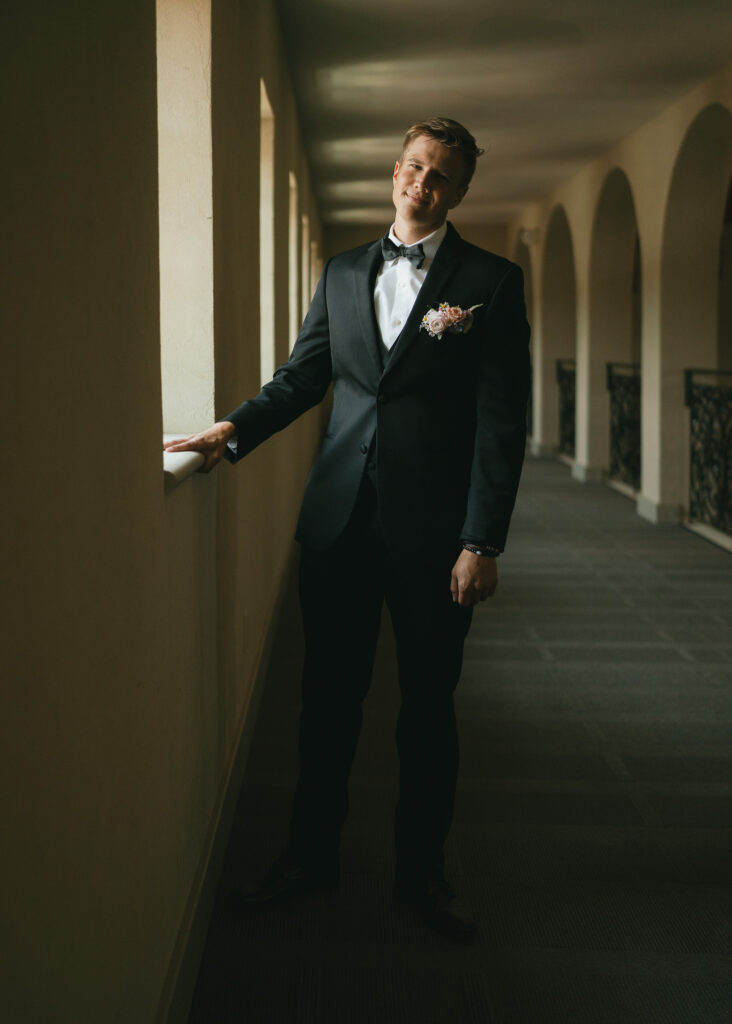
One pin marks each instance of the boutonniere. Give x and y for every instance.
(448, 318)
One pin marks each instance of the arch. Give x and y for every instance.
(690, 281)
(724, 322)
(614, 338)
(558, 331)
(522, 256)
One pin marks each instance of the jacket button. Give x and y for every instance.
(381, 399)
(364, 448)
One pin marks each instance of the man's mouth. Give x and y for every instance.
(421, 200)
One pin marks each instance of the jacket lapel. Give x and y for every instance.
(430, 294)
(364, 279)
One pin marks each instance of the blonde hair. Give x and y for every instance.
(451, 134)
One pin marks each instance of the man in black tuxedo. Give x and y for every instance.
(409, 501)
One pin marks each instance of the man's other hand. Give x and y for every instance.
(210, 443)
(474, 578)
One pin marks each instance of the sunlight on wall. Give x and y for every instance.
(266, 238)
(316, 265)
(293, 263)
(185, 214)
(305, 292)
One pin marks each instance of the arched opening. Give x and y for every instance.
(522, 256)
(609, 417)
(695, 407)
(724, 329)
(555, 369)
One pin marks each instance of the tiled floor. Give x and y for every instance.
(593, 833)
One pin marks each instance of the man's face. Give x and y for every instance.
(428, 181)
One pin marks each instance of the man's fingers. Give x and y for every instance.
(213, 458)
(194, 443)
(471, 595)
(178, 444)
(467, 597)
(463, 594)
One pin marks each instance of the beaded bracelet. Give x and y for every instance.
(487, 551)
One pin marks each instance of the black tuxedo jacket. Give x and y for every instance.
(443, 422)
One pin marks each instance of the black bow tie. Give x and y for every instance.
(413, 253)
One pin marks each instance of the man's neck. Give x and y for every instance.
(409, 234)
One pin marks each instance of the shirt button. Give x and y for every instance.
(403, 284)
(397, 323)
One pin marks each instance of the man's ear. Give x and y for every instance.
(396, 169)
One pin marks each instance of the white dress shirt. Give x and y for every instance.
(398, 283)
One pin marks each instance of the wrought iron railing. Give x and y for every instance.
(567, 380)
(708, 395)
(624, 385)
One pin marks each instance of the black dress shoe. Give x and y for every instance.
(286, 879)
(439, 907)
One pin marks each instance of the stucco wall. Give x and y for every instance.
(133, 622)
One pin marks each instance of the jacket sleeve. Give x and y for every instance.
(502, 390)
(297, 385)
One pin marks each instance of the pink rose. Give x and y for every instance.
(439, 322)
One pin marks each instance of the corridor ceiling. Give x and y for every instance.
(544, 86)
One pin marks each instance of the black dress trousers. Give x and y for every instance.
(342, 591)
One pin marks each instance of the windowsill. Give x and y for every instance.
(178, 466)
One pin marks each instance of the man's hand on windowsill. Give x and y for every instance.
(210, 443)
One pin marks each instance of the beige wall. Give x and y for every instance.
(133, 623)
(493, 237)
